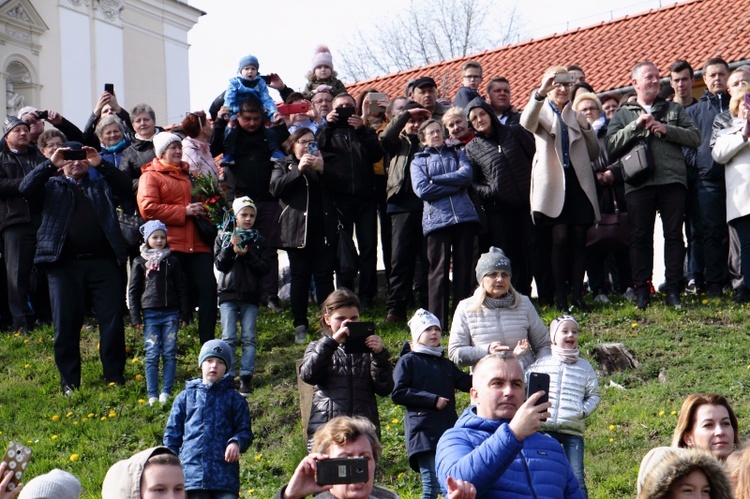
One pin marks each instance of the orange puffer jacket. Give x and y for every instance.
(163, 194)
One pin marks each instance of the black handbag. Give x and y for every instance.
(611, 232)
(347, 258)
(638, 163)
(130, 227)
(207, 231)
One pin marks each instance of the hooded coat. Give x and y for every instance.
(501, 161)
(676, 466)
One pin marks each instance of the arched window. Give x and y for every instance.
(17, 87)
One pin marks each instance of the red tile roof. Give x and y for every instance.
(695, 31)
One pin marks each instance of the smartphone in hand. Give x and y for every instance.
(537, 382)
(341, 470)
(17, 457)
(358, 333)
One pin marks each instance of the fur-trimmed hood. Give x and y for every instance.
(674, 466)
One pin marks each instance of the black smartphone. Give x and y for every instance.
(17, 457)
(109, 87)
(536, 382)
(312, 148)
(266, 78)
(344, 114)
(341, 470)
(74, 154)
(42, 114)
(358, 332)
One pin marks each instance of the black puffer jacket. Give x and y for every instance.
(501, 161)
(345, 385)
(15, 209)
(240, 275)
(163, 288)
(703, 114)
(139, 153)
(353, 154)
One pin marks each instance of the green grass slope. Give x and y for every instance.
(703, 347)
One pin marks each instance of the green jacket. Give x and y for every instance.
(666, 150)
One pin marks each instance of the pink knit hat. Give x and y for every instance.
(322, 57)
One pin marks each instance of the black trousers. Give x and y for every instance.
(407, 244)
(362, 214)
(316, 261)
(456, 241)
(19, 245)
(70, 282)
(511, 229)
(267, 223)
(669, 201)
(201, 283)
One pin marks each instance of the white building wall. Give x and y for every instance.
(75, 68)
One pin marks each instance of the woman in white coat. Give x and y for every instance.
(731, 147)
(563, 186)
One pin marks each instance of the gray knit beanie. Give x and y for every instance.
(57, 484)
(492, 261)
(216, 348)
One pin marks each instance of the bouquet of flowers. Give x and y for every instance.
(207, 192)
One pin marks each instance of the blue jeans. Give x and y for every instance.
(160, 326)
(247, 313)
(210, 494)
(430, 484)
(573, 447)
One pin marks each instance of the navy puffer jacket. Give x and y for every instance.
(204, 420)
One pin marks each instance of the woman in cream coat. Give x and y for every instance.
(563, 187)
(732, 148)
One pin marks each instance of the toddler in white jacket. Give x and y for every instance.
(573, 391)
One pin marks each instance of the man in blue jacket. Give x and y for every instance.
(495, 443)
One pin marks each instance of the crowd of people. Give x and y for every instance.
(193, 219)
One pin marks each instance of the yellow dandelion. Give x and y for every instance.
(27, 366)
(112, 414)
(394, 421)
(141, 401)
(673, 413)
(74, 458)
(26, 341)
(83, 420)
(40, 340)
(91, 414)
(388, 427)
(258, 457)
(400, 475)
(17, 335)
(251, 491)
(635, 324)
(705, 301)
(138, 377)
(103, 418)
(75, 423)
(611, 427)
(54, 437)
(98, 346)
(611, 439)
(55, 418)
(134, 360)
(70, 413)
(112, 383)
(661, 413)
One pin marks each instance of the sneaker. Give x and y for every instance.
(274, 305)
(741, 295)
(300, 335)
(245, 388)
(227, 160)
(601, 298)
(395, 319)
(643, 298)
(163, 398)
(692, 287)
(629, 294)
(68, 390)
(152, 400)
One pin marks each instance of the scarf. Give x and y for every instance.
(117, 147)
(153, 257)
(502, 302)
(247, 236)
(435, 351)
(566, 355)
